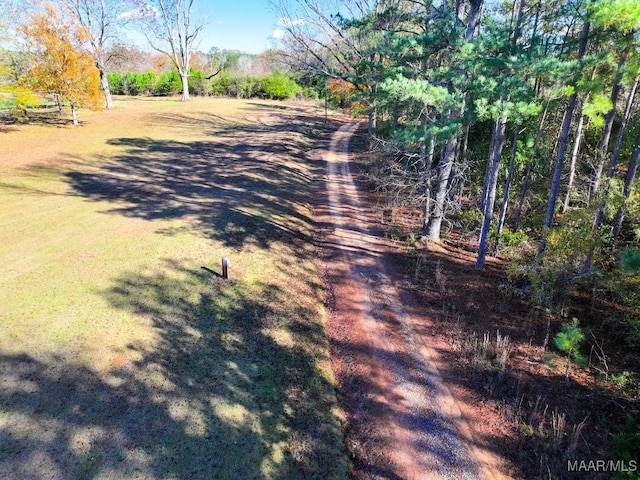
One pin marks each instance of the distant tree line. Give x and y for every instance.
(275, 85)
(73, 49)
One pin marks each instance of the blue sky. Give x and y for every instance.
(246, 25)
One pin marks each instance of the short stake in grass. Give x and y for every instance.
(225, 268)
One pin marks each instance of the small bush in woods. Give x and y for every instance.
(568, 341)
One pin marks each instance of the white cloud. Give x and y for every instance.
(219, 22)
(278, 34)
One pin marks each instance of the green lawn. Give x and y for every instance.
(121, 356)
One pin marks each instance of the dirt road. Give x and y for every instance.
(401, 420)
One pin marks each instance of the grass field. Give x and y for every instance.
(121, 357)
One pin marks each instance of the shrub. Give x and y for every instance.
(275, 85)
(249, 87)
(572, 239)
(624, 285)
(561, 266)
(278, 86)
(222, 83)
(630, 261)
(132, 84)
(512, 244)
(310, 93)
(147, 82)
(168, 83)
(340, 92)
(513, 239)
(18, 100)
(626, 446)
(471, 221)
(568, 341)
(198, 83)
(115, 83)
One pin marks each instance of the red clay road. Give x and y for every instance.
(401, 421)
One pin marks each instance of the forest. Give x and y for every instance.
(449, 88)
(518, 121)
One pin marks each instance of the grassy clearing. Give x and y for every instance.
(121, 356)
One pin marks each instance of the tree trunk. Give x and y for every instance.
(475, 13)
(104, 84)
(529, 169)
(507, 188)
(74, 114)
(615, 155)
(611, 172)
(58, 102)
(557, 172)
(455, 172)
(523, 194)
(437, 214)
(628, 184)
(562, 148)
(574, 157)
(603, 146)
(184, 76)
(486, 225)
(426, 162)
(371, 123)
(495, 151)
(517, 25)
(463, 161)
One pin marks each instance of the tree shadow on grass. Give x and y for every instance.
(37, 116)
(218, 395)
(248, 187)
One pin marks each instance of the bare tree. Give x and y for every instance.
(172, 28)
(124, 58)
(316, 40)
(101, 20)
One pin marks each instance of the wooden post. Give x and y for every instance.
(225, 268)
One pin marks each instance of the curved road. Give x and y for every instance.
(402, 422)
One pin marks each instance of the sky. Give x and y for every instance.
(246, 25)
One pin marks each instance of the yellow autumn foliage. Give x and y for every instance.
(61, 66)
